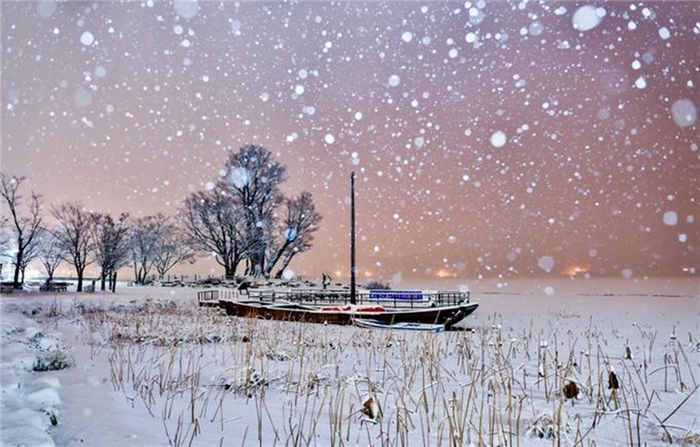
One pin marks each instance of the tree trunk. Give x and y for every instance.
(276, 257)
(102, 281)
(79, 273)
(231, 267)
(141, 275)
(285, 264)
(18, 266)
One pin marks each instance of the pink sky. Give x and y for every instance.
(488, 138)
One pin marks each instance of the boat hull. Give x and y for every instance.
(421, 327)
(443, 315)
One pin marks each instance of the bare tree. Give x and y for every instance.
(173, 249)
(73, 232)
(24, 228)
(110, 240)
(50, 253)
(254, 179)
(212, 224)
(147, 234)
(295, 232)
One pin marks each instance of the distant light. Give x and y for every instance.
(575, 270)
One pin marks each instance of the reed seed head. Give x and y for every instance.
(570, 389)
(613, 382)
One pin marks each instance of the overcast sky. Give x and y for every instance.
(488, 137)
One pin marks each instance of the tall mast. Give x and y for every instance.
(353, 267)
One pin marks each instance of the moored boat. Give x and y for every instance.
(290, 311)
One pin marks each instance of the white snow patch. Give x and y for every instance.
(240, 177)
(87, 38)
(46, 397)
(670, 218)
(546, 263)
(46, 8)
(498, 139)
(186, 8)
(236, 27)
(82, 98)
(536, 28)
(684, 113)
(587, 17)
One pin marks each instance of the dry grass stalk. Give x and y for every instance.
(160, 362)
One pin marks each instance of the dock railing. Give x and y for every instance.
(386, 298)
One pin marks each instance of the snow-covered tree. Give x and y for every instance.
(110, 239)
(147, 235)
(213, 223)
(50, 254)
(240, 218)
(23, 226)
(173, 249)
(73, 231)
(253, 179)
(295, 232)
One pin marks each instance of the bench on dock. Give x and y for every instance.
(54, 286)
(7, 287)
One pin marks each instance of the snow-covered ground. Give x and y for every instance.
(146, 367)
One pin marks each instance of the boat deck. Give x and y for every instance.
(390, 299)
